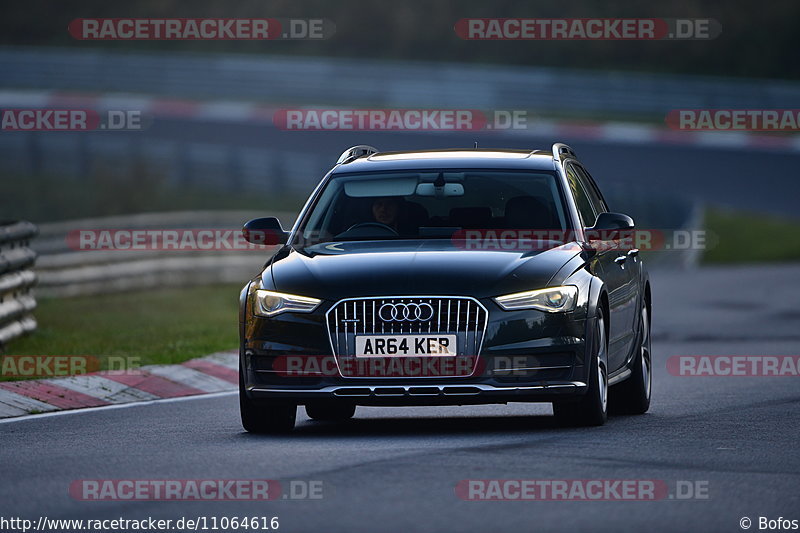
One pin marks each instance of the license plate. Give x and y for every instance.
(405, 345)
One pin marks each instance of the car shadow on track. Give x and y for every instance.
(430, 426)
(399, 426)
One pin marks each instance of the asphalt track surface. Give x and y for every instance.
(395, 469)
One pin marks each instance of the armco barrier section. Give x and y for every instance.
(16, 280)
(67, 270)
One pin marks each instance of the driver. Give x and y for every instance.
(386, 210)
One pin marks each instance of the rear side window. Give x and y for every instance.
(582, 201)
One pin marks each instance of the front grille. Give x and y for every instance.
(461, 316)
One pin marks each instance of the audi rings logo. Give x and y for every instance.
(405, 312)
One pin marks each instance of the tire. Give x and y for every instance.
(592, 408)
(330, 411)
(265, 417)
(632, 396)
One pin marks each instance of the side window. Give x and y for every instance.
(591, 189)
(582, 201)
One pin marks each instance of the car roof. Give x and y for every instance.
(453, 158)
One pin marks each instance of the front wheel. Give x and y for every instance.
(265, 417)
(592, 409)
(632, 396)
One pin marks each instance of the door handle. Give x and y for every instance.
(621, 259)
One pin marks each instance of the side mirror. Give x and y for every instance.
(609, 226)
(266, 231)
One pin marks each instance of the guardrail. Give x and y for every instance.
(66, 271)
(16, 280)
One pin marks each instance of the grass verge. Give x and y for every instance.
(149, 327)
(740, 237)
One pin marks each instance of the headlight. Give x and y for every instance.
(269, 303)
(552, 300)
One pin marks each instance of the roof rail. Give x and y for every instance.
(562, 151)
(354, 152)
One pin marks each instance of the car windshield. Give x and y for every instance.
(431, 204)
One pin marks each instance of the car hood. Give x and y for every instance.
(342, 270)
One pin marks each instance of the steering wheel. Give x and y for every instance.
(372, 225)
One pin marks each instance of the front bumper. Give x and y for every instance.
(526, 356)
(427, 394)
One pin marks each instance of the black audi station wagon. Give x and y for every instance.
(447, 277)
